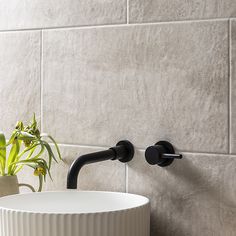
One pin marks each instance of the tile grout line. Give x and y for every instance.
(142, 150)
(229, 89)
(127, 11)
(116, 25)
(41, 80)
(126, 178)
(83, 145)
(209, 154)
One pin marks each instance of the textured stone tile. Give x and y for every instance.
(163, 10)
(194, 196)
(143, 83)
(19, 77)
(21, 14)
(233, 86)
(106, 176)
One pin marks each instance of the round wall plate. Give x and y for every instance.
(169, 149)
(130, 150)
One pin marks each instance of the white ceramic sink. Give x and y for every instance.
(74, 213)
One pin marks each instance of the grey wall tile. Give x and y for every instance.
(143, 83)
(194, 196)
(162, 10)
(19, 77)
(23, 14)
(233, 86)
(104, 176)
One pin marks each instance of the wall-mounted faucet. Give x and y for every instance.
(123, 151)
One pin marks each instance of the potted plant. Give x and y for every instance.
(26, 147)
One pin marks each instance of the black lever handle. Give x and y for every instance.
(161, 154)
(172, 156)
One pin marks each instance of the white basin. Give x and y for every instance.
(74, 213)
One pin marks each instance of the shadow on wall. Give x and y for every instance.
(194, 196)
(195, 201)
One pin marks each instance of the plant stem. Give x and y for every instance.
(40, 183)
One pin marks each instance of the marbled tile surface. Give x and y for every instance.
(143, 83)
(165, 10)
(19, 78)
(26, 14)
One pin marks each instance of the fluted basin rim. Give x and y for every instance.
(72, 202)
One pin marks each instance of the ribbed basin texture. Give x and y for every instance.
(74, 213)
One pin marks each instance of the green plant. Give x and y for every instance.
(27, 147)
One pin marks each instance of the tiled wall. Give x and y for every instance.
(98, 71)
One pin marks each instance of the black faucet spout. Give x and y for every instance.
(123, 151)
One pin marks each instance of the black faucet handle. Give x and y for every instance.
(161, 154)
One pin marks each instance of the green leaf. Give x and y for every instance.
(2, 153)
(40, 152)
(27, 149)
(31, 150)
(50, 153)
(13, 137)
(34, 123)
(16, 170)
(13, 155)
(54, 142)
